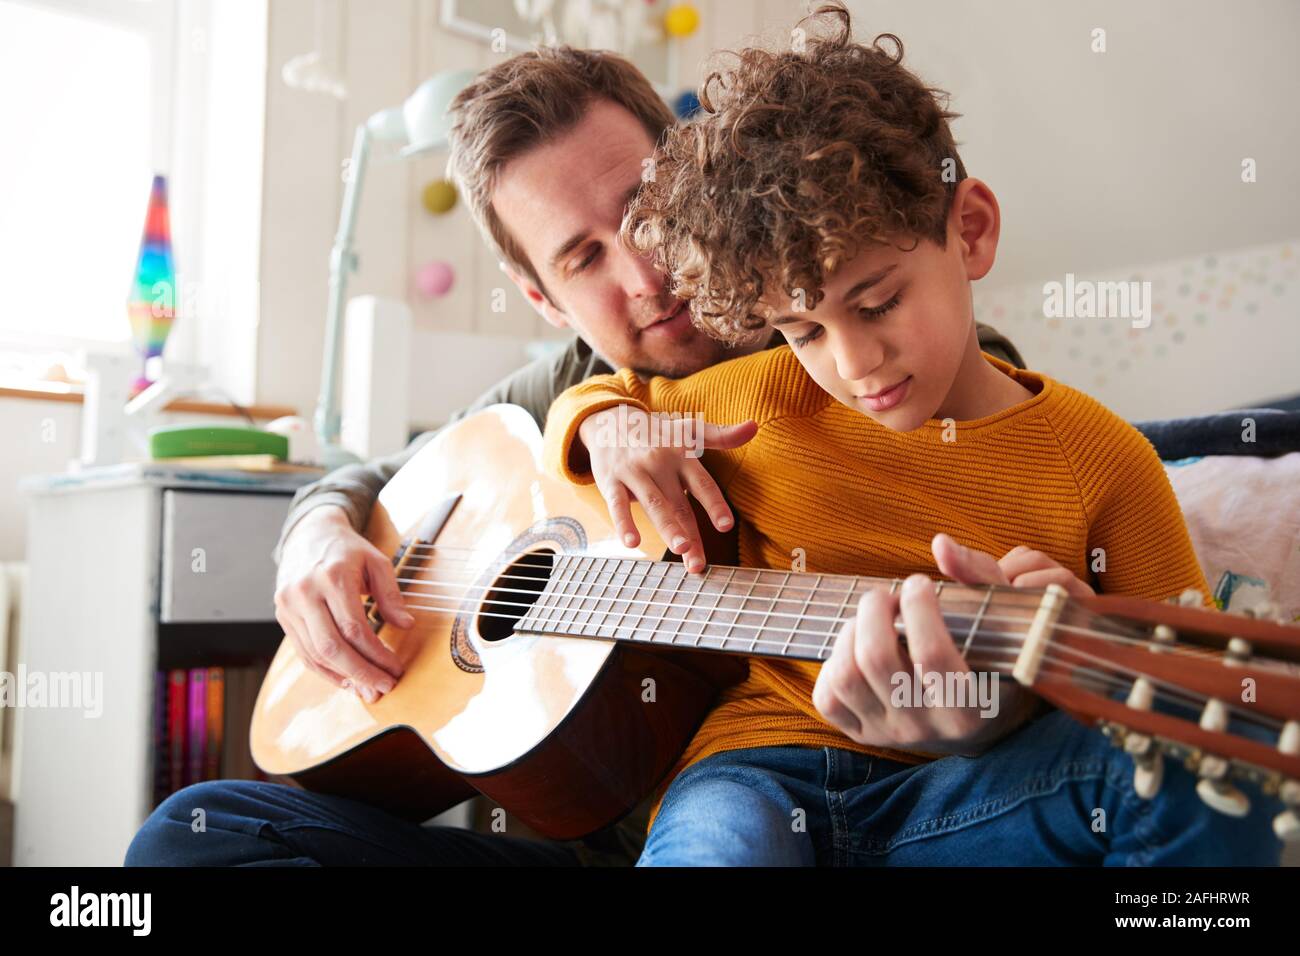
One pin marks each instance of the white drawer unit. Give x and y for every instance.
(216, 556)
(122, 560)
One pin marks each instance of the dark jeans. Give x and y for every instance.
(249, 823)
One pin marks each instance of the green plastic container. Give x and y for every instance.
(188, 441)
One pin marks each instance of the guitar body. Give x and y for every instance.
(556, 730)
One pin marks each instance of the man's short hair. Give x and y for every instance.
(525, 102)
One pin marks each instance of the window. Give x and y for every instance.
(84, 121)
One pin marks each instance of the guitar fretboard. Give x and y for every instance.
(756, 611)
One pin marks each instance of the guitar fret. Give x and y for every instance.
(664, 603)
(731, 628)
(762, 625)
(644, 568)
(537, 614)
(606, 611)
(798, 618)
(569, 583)
(628, 602)
(548, 604)
(581, 629)
(988, 596)
(709, 617)
(839, 613)
(686, 613)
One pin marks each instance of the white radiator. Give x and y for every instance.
(13, 581)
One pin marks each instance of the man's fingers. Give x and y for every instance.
(381, 583)
(966, 565)
(701, 484)
(336, 654)
(352, 625)
(296, 630)
(729, 436)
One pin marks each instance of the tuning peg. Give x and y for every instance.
(1217, 793)
(1287, 826)
(1191, 598)
(1148, 762)
(1287, 823)
(1237, 652)
(1163, 638)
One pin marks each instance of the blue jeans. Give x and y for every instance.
(1054, 792)
(250, 823)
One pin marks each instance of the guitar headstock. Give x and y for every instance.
(1219, 692)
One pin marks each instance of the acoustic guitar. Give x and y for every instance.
(539, 634)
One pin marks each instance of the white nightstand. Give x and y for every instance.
(131, 568)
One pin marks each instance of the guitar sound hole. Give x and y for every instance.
(513, 593)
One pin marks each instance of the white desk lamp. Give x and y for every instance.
(422, 123)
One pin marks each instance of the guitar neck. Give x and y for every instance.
(750, 611)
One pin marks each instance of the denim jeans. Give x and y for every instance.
(1054, 792)
(251, 823)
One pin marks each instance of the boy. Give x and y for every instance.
(812, 197)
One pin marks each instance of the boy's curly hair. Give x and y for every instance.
(795, 161)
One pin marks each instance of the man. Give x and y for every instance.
(548, 148)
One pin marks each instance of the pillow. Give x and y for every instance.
(1243, 513)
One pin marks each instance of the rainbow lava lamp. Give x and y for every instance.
(151, 306)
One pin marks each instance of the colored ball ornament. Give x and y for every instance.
(439, 196)
(435, 279)
(686, 104)
(681, 20)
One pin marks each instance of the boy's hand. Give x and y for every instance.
(853, 691)
(660, 478)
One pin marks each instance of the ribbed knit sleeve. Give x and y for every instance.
(762, 386)
(1137, 540)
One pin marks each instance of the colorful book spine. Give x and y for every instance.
(160, 776)
(215, 722)
(196, 745)
(176, 730)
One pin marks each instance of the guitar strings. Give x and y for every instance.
(1174, 694)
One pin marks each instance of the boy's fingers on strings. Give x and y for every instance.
(620, 511)
(966, 565)
(661, 506)
(1057, 575)
(838, 683)
(929, 642)
(1027, 568)
(706, 491)
(877, 652)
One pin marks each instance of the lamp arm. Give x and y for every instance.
(342, 262)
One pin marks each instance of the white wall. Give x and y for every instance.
(1101, 163)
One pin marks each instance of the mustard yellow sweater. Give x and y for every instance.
(1057, 472)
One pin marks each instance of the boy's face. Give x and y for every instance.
(894, 328)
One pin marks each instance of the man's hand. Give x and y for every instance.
(854, 689)
(325, 567)
(660, 478)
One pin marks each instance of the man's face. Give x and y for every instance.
(564, 203)
(890, 334)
